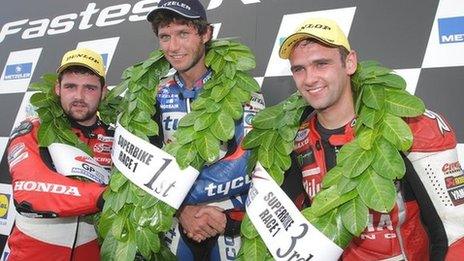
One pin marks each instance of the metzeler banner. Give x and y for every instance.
(71, 161)
(151, 168)
(285, 231)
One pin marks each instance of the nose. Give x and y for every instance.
(174, 44)
(310, 76)
(79, 93)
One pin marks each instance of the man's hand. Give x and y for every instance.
(201, 222)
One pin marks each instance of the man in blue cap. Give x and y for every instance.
(209, 221)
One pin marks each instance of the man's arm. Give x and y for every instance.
(437, 182)
(38, 189)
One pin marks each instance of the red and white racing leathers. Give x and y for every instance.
(49, 223)
(427, 219)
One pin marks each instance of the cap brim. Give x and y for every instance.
(152, 14)
(288, 44)
(64, 66)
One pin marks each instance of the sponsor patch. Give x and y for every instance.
(104, 138)
(4, 205)
(451, 30)
(18, 71)
(16, 154)
(102, 148)
(301, 135)
(23, 128)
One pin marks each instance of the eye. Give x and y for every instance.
(164, 38)
(296, 69)
(184, 34)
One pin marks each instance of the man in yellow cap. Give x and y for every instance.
(50, 224)
(421, 225)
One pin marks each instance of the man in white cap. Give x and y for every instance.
(50, 223)
(421, 226)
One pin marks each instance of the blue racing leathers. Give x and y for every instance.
(224, 183)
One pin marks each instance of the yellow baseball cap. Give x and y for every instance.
(83, 57)
(324, 30)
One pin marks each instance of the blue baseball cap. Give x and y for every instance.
(192, 9)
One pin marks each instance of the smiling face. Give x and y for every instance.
(321, 77)
(183, 47)
(80, 94)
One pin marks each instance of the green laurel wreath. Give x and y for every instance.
(366, 167)
(132, 220)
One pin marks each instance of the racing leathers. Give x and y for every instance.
(50, 207)
(426, 222)
(223, 183)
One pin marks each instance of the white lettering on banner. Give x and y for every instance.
(108, 16)
(285, 231)
(151, 168)
(46, 187)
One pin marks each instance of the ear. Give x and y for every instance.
(104, 92)
(351, 62)
(57, 88)
(208, 35)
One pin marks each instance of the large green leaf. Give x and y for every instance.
(203, 121)
(247, 82)
(147, 241)
(377, 192)
(355, 216)
(233, 107)
(219, 92)
(389, 80)
(223, 128)
(46, 135)
(332, 177)
(328, 199)
(185, 135)
(253, 249)
(190, 118)
(266, 157)
(369, 117)
(254, 138)
(373, 97)
(332, 227)
(396, 131)
(207, 146)
(388, 162)
(267, 118)
(357, 162)
(108, 249)
(403, 104)
(126, 250)
(283, 146)
(186, 154)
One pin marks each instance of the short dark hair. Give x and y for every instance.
(342, 50)
(166, 17)
(80, 70)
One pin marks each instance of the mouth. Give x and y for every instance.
(79, 105)
(177, 56)
(314, 90)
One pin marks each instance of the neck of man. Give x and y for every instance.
(339, 114)
(191, 75)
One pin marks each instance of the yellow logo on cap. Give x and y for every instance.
(83, 57)
(324, 30)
